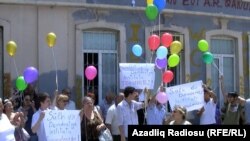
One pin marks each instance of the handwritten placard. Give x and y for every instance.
(62, 125)
(189, 95)
(138, 75)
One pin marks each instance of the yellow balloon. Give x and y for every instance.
(11, 48)
(51, 39)
(175, 47)
(150, 2)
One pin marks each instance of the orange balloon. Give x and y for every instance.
(51, 39)
(11, 48)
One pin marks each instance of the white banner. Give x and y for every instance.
(62, 125)
(189, 95)
(138, 75)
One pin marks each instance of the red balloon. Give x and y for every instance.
(168, 76)
(153, 42)
(166, 39)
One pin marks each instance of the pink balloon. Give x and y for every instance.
(153, 42)
(90, 72)
(162, 97)
(168, 76)
(166, 39)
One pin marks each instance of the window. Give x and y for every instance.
(223, 49)
(100, 50)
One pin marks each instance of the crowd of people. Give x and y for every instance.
(21, 118)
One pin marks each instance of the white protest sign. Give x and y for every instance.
(138, 75)
(62, 125)
(189, 95)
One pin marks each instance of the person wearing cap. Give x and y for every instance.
(233, 106)
(179, 116)
(207, 112)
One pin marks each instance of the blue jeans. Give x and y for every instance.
(33, 138)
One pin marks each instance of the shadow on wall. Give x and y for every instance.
(47, 81)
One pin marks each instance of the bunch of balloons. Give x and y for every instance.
(153, 8)
(207, 56)
(162, 45)
(30, 75)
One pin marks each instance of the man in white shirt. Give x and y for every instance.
(37, 125)
(71, 104)
(207, 112)
(127, 111)
(112, 119)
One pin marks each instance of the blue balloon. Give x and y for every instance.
(137, 50)
(162, 52)
(160, 4)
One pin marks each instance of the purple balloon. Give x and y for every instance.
(30, 74)
(162, 97)
(161, 63)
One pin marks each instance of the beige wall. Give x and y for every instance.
(28, 27)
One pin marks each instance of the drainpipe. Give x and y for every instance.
(118, 7)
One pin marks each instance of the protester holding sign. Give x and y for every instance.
(207, 112)
(37, 125)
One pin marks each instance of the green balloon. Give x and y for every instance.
(20, 83)
(203, 45)
(151, 12)
(208, 57)
(173, 60)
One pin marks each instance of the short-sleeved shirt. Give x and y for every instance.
(208, 116)
(41, 130)
(128, 114)
(113, 120)
(152, 111)
(6, 129)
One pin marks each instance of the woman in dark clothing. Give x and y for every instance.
(91, 122)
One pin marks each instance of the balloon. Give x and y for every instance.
(137, 50)
(162, 97)
(175, 47)
(173, 60)
(30, 74)
(160, 4)
(90, 72)
(168, 76)
(11, 48)
(153, 42)
(166, 39)
(208, 57)
(203, 45)
(151, 12)
(161, 52)
(51, 39)
(161, 63)
(149, 2)
(21, 84)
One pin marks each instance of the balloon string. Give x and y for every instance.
(15, 66)
(217, 68)
(159, 24)
(55, 68)
(152, 53)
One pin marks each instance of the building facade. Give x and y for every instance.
(102, 33)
